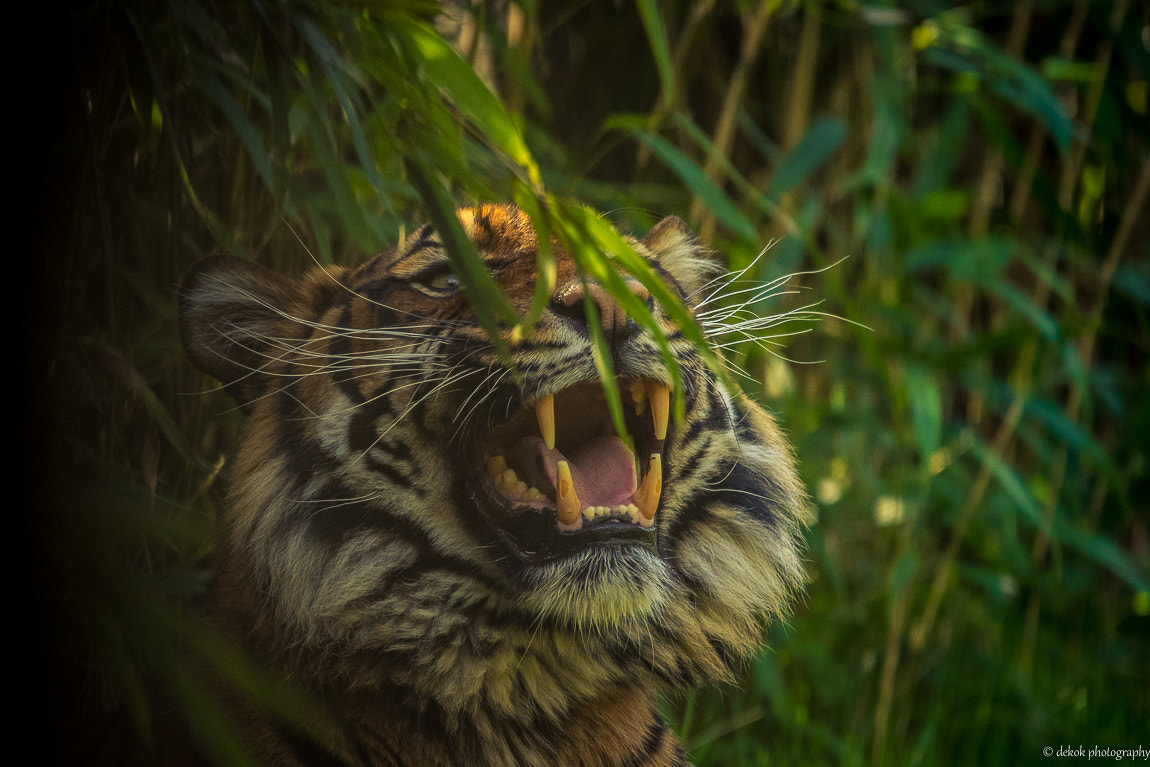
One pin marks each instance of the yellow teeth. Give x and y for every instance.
(660, 397)
(496, 465)
(545, 414)
(629, 510)
(571, 515)
(509, 484)
(642, 393)
(640, 511)
(638, 395)
(646, 498)
(566, 499)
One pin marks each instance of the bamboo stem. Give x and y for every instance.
(1072, 170)
(889, 674)
(724, 132)
(990, 181)
(1029, 167)
(699, 12)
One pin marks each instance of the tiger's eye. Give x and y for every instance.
(444, 281)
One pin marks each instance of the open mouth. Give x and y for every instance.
(564, 455)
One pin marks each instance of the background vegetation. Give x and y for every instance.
(966, 185)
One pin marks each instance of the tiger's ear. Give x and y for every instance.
(230, 309)
(676, 249)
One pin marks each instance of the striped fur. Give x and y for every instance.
(365, 554)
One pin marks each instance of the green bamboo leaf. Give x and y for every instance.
(901, 574)
(1134, 280)
(589, 241)
(887, 131)
(351, 213)
(962, 49)
(965, 259)
(742, 185)
(925, 409)
(1093, 545)
(1059, 68)
(1102, 550)
(531, 204)
(601, 353)
(237, 115)
(483, 294)
(343, 78)
(660, 47)
(819, 142)
(599, 250)
(439, 62)
(693, 176)
(1046, 324)
(1067, 432)
(1012, 484)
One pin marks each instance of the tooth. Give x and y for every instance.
(638, 391)
(646, 498)
(508, 479)
(566, 499)
(496, 465)
(533, 494)
(545, 413)
(660, 397)
(638, 396)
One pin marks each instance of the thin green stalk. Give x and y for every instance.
(1029, 167)
(985, 198)
(1072, 169)
(804, 77)
(986, 190)
(924, 628)
(1135, 204)
(892, 656)
(725, 124)
(679, 60)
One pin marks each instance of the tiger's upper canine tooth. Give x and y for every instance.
(660, 397)
(646, 498)
(565, 497)
(545, 414)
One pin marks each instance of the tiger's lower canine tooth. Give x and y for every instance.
(545, 414)
(646, 498)
(565, 497)
(660, 397)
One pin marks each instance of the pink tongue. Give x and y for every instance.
(603, 468)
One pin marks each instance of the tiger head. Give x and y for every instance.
(412, 510)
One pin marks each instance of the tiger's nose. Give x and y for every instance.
(612, 316)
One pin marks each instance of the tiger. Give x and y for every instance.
(452, 547)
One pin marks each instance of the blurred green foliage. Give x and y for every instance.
(965, 186)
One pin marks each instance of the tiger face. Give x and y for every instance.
(430, 529)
